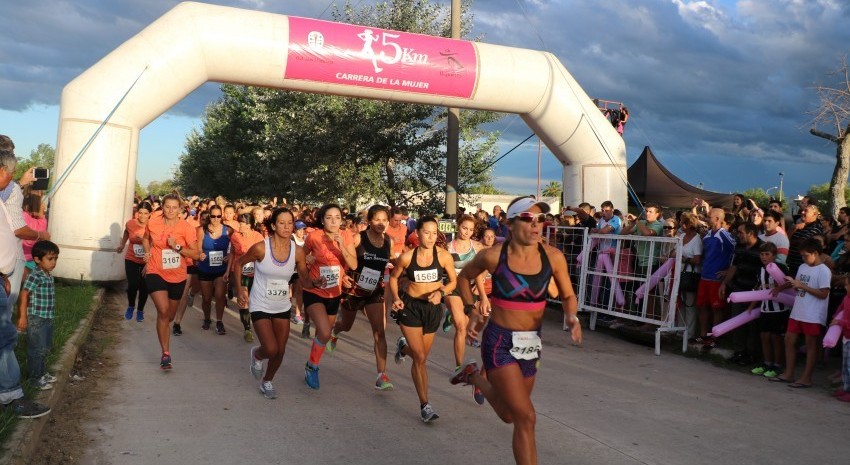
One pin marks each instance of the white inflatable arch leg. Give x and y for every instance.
(195, 43)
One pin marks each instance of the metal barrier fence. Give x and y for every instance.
(624, 277)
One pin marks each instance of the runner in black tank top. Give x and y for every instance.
(373, 249)
(510, 345)
(419, 306)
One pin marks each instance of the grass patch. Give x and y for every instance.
(73, 303)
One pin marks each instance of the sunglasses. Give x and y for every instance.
(528, 217)
(215, 216)
(669, 227)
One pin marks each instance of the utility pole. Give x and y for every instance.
(781, 175)
(452, 141)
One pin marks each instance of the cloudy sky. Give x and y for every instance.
(721, 90)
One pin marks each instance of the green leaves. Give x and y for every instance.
(259, 143)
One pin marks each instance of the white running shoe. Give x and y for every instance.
(267, 390)
(256, 365)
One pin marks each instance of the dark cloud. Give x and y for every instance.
(707, 80)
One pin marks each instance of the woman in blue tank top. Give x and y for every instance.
(521, 269)
(214, 237)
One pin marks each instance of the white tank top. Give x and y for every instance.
(270, 292)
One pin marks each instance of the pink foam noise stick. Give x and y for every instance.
(834, 331)
(653, 280)
(750, 296)
(735, 322)
(597, 281)
(775, 273)
(618, 291)
(580, 256)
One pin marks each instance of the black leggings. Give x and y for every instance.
(135, 284)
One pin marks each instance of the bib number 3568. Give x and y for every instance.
(526, 345)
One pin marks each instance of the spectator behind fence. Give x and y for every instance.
(741, 276)
(608, 224)
(648, 226)
(37, 307)
(718, 247)
(11, 394)
(689, 279)
(585, 215)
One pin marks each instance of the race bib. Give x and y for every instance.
(138, 251)
(369, 279)
(331, 275)
(277, 290)
(170, 259)
(425, 276)
(248, 268)
(216, 257)
(526, 345)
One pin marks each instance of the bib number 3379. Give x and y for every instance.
(526, 345)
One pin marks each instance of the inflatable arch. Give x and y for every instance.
(195, 43)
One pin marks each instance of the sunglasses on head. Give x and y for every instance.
(528, 217)
(215, 216)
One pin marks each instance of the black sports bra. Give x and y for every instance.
(431, 274)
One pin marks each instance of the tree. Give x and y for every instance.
(161, 188)
(139, 191)
(41, 157)
(258, 142)
(834, 112)
(821, 193)
(553, 189)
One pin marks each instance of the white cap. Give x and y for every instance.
(524, 204)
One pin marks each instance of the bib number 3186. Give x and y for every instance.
(526, 345)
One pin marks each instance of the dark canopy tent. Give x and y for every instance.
(652, 182)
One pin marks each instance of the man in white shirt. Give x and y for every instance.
(11, 394)
(775, 235)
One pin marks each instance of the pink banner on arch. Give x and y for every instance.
(364, 56)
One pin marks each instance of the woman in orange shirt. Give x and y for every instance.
(167, 240)
(332, 254)
(134, 261)
(242, 240)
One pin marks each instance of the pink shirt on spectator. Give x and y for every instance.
(36, 224)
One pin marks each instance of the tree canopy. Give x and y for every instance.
(259, 142)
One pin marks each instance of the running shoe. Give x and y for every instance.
(463, 372)
(448, 323)
(478, 396)
(206, 325)
(128, 314)
(267, 390)
(311, 376)
(41, 384)
(330, 347)
(177, 330)
(165, 362)
(23, 408)
(219, 328)
(297, 320)
(49, 377)
(140, 315)
(305, 331)
(427, 413)
(383, 383)
(256, 365)
(399, 349)
(248, 336)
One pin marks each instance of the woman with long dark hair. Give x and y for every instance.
(214, 239)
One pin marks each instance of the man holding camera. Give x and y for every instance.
(11, 394)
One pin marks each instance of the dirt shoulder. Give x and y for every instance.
(64, 438)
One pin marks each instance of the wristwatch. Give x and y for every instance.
(442, 293)
(178, 248)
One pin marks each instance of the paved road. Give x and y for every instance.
(610, 402)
